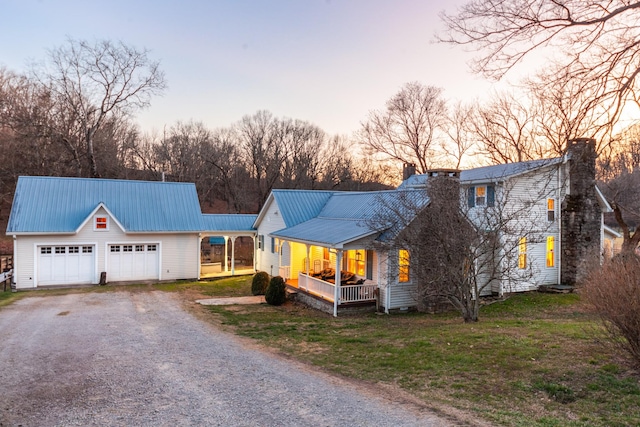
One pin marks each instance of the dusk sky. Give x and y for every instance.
(328, 62)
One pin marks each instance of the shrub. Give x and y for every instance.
(276, 294)
(614, 293)
(259, 283)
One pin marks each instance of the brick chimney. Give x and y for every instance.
(581, 214)
(443, 188)
(408, 170)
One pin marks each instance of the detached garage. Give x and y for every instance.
(67, 231)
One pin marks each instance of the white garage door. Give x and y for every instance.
(66, 265)
(133, 262)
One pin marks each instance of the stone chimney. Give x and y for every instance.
(581, 214)
(408, 170)
(443, 188)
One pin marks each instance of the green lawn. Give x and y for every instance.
(530, 361)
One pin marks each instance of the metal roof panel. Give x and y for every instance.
(60, 205)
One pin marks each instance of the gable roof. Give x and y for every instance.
(62, 205)
(350, 216)
(296, 206)
(488, 173)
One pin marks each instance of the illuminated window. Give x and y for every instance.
(551, 259)
(403, 265)
(551, 212)
(481, 195)
(356, 261)
(101, 223)
(522, 252)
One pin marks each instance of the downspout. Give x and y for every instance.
(336, 289)
(15, 258)
(199, 255)
(564, 162)
(386, 308)
(255, 253)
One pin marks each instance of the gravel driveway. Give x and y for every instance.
(120, 358)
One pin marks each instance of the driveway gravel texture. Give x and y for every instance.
(139, 359)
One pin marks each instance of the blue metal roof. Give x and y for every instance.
(60, 205)
(326, 231)
(486, 173)
(349, 216)
(228, 222)
(498, 172)
(297, 206)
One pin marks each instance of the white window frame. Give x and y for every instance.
(95, 223)
(481, 198)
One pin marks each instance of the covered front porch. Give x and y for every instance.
(339, 277)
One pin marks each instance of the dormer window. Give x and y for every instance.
(101, 223)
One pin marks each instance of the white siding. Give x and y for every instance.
(394, 295)
(272, 221)
(179, 253)
(521, 203)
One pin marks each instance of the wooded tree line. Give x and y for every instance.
(73, 115)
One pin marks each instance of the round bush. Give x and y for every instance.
(259, 283)
(276, 294)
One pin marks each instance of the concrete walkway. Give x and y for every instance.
(259, 299)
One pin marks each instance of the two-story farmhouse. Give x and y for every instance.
(547, 215)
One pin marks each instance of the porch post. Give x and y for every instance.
(308, 260)
(226, 251)
(233, 255)
(336, 289)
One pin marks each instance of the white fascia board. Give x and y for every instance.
(88, 218)
(263, 210)
(606, 207)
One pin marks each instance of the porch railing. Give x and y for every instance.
(326, 290)
(357, 293)
(284, 271)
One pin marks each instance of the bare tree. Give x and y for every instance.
(457, 253)
(407, 130)
(457, 128)
(231, 181)
(504, 130)
(91, 83)
(593, 42)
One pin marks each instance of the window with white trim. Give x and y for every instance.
(551, 211)
(551, 246)
(522, 253)
(101, 223)
(404, 265)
